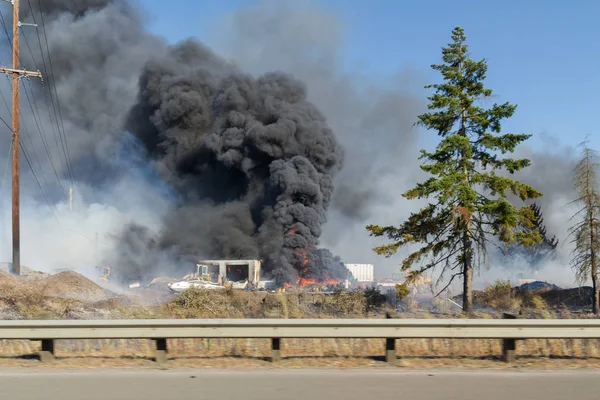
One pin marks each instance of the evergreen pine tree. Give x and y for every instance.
(470, 199)
(536, 254)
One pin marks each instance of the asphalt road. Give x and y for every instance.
(297, 384)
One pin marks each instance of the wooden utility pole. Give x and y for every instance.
(16, 137)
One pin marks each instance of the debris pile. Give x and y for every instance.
(65, 285)
(70, 284)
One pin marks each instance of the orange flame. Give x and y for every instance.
(302, 261)
(303, 282)
(300, 255)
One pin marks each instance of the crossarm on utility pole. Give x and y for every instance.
(20, 72)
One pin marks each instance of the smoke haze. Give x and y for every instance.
(267, 147)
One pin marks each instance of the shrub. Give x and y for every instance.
(499, 295)
(204, 303)
(374, 299)
(402, 291)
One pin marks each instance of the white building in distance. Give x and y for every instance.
(362, 272)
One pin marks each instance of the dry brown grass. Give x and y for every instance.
(426, 349)
(37, 299)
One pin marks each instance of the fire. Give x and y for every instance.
(303, 282)
(302, 263)
(300, 255)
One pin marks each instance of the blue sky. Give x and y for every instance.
(542, 54)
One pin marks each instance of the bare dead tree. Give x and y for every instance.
(586, 231)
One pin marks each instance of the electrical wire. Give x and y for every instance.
(54, 121)
(2, 185)
(5, 29)
(26, 154)
(42, 133)
(6, 169)
(27, 136)
(53, 82)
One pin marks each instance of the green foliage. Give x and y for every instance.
(402, 291)
(469, 197)
(535, 254)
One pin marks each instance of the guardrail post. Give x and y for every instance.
(47, 353)
(275, 349)
(509, 346)
(161, 351)
(390, 350)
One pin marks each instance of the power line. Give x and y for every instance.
(29, 48)
(55, 129)
(41, 132)
(49, 100)
(53, 82)
(16, 74)
(6, 169)
(2, 186)
(17, 145)
(5, 29)
(28, 161)
(38, 118)
(37, 123)
(28, 136)
(44, 194)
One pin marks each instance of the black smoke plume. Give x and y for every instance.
(251, 158)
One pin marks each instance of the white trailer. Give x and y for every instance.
(362, 272)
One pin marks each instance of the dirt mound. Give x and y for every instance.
(573, 298)
(70, 284)
(26, 272)
(6, 278)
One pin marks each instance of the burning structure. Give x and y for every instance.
(232, 270)
(247, 161)
(251, 160)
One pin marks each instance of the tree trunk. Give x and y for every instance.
(467, 244)
(594, 261)
(596, 300)
(594, 272)
(467, 274)
(468, 290)
(596, 306)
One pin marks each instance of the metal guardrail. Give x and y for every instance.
(509, 330)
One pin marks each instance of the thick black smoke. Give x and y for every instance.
(96, 50)
(251, 158)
